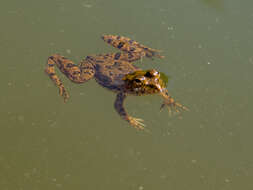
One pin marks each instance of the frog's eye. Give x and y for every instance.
(151, 73)
(148, 74)
(137, 80)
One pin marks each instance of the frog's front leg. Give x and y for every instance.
(118, 104)
(77, 74)
(171, 103)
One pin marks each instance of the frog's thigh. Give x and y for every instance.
(71, 70)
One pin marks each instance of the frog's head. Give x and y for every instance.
(144, 82)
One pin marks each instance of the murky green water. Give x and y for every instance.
(46, 144)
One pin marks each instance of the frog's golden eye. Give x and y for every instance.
(151, 73)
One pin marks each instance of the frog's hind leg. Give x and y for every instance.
(118, 105)
(77, 74)
(133, 49)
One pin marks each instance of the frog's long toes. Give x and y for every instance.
(174, 107)
(170, 111)
(66, 98)
(185, 108)
(137, 123)
(64, 94)
(138, 119)
(162, 106)
(181, 106)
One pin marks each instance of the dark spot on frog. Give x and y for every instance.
(108, 67)
(132, 49)
(116, 63)
(69, 65)
(117, 56)
(121, 44)
(51, 64)
(76, 72)
(130, 56)
(109, 41)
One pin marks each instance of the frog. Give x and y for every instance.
(116, 72)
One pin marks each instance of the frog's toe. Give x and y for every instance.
(174, 107)
(64, 94)
(179, 107)
(137, 123)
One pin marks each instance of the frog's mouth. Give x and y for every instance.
(146, 89)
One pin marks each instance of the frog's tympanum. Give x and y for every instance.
(116, 72)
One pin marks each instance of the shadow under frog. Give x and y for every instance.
(116, 72)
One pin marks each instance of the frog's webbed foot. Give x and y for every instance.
(171, 104)
(173, 107)
(136, 123)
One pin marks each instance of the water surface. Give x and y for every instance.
(83, 144)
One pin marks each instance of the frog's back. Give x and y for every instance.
(109, 72)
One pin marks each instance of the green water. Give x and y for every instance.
(83, 144)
